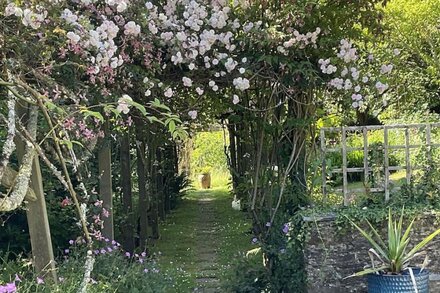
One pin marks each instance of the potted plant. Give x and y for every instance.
(390, 270)
(205, 178)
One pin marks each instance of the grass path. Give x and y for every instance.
(201, 238)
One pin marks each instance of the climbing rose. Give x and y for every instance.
(192, 114)
(131, 28)
(124, 106)
(235, 100)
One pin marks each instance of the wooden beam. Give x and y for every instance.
(8, 181)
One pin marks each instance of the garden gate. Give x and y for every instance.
(412, 136)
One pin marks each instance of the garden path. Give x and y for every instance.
(201, 238)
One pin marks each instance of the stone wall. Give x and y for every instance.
(332, 255)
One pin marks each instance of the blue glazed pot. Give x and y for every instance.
(399, 283)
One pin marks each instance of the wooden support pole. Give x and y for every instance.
(366, 171)
(324, 166)
(428, 144)
(127, 198)
(407, 157)
(36, 212)
(344, 166)
(386, 164)
(105, 186)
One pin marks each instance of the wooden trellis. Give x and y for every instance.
(366, 169)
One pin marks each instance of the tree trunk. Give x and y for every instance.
(105, 185)
(127, 200)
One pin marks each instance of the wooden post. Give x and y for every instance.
(407, 156)
(344, 165)
(324, 166)
(386, 164)
(36, 212)
(428, 144)
(142, 183)
(127, 200)
(366, 171)
(105, 185)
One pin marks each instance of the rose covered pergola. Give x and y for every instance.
(70, 69)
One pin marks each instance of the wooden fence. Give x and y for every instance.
(342, 133)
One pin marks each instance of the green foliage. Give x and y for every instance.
(392, 252)
(208, 153)
(113, 272)
(248, 275)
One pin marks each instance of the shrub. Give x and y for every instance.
(247, 275)
(113, 272)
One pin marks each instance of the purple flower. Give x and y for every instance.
(40, 281)
(127, 254)
(146, 270)
(66, 251)
(8, 288)
(286, 228)
(109, 249)
(254, 240)
(96, 251)
(71, 242)
(103, 251)
(143, 254)
(17, 278)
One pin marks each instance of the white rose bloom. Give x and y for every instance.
(187, 81)
(131, 28)
(235, 100)
(199, 91)
(123, 104)
(381, 87)
(192, 114)
(168, 93)
(74, 38)
(149, 5)
(241, 83)
(122, 6)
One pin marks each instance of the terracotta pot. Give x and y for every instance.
(205, 180)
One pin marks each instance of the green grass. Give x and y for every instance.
(178, 246)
